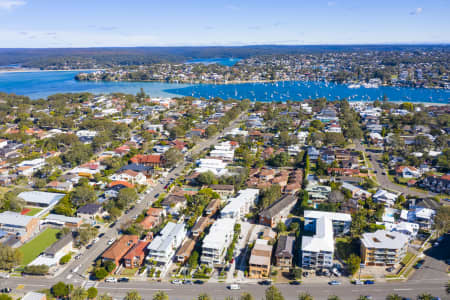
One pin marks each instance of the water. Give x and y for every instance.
(221, 61)
(42, 84)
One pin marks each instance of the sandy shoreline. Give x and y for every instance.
(22, 70)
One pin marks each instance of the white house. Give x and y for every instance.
(28, 167)
(216, 166)
(130, 176)
(383, 196)
(239, 206)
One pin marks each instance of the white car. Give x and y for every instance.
(177, 282)
(110, 279)
(234, 287)
(111, 241)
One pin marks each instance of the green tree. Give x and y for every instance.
(109, 266)
(133, 295)
(272, 293)
(65, 259)
(100, 273)
(105, 297)
(60, 289)
(172, 157)
(204, 296)
(333, 298)
(442, 219)
(92, 292)
(126, 197)
(394, 297)
(78, 293)
(193, 260)
(5, 297)
(9, 257)
(83, 194)
(353, 263)
(160, 295)
(246, 296)
(206, 178)
(305, 296)
(425, 296)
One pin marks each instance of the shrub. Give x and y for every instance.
(65, 259)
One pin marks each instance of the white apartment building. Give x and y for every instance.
(239, 206)
(383, 248)
(163, 247)
(215, 244)
(341, 222)
(216, 166)
(318, 250)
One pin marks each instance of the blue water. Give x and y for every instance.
(42, 84)
(300, 90)
(221, 61)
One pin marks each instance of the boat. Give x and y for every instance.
(354, 86)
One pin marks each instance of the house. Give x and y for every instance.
(21, 226)
(185, 251)
(317, 193)
(119, 248)
(90, 211)
(259, 262)
(239, 206)
(268, 234)
(29, 167)
(136, 255)
(356, 191)
(213, 207)
(407, 228)
(63, 221)
(217, 241)
(152, 160)
(200, 226)
(284, 253)
(383, 196)
(224, 190)
(407, 172)
(34, 296)
(174, 203)
(162, 249)
(422, 216)
(60, 248)
(60, 186)
(216, 166)
(317, 250)
(130, 176)
(383, 248)
(278, 211)
(150, 222)
(437, 184)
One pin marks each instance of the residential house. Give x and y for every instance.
(341, 222)
(60, 186)
(284, 253)
(239, 206)
(407, 172)
(224, 190)
(151, 160)
(63, 221)
(90, 211)
(383, 196)
(119, 248)
(185, 251)
(212, 207)
(200, 226)
(136, 255)
(259, 262)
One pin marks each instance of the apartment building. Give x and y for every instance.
(317, 250)
(284, 253)
(278, 211)
(215, 244)
(341, 222)
(162, 249)
(383, 248)
(259, 262)
(239, 206)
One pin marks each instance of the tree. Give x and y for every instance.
(109, 266)
(193, 259)
(126, 196)
(333, 297)
(442, 219)
(272, 293)
(83, 194)
(36, 269)
(206, 178)
(246, 296)
(353, 263)
(160, 295)
(60, 289)
(133, 295)
(78, 293)
(5, 297)
(86, 233)
(92, 292)
(394, 297)
(425, 296)
(305, 296)
(65, 259)
(211, 130)
(281, 227)
(9, 257)
(100, 273)
(105, 297)
(172, 157)
(204, 296)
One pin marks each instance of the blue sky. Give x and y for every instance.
(94, 23)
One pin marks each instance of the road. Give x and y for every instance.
(383, 180)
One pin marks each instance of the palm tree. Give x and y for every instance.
(204, 296)
(78, 293)
(133, 295)
(160, 295)
(393, 297)
(105, 297)
(305, 296)
(425, 297)
(246, 296)
(334, 298)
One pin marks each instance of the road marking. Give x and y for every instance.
(69, 276)
(402, 289)
(127, 288)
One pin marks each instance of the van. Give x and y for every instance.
(234, 287)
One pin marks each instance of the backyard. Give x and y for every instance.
(32, 249)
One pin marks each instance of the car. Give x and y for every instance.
(89, 246)
(111, 241)
(376, 172)
(113, 224)
(234, 287)
(198, 281)
(336, 272)
(334, 282)
(101, 235)
(419, 264)
(295, 282)
(139, 201)
(157, 195)
(368, 297)
(6, 290)
(436, 244)
(265, 282)
(232, 260)
(369, 282)
(4, 275)
(358, 282)
(177, 282)
(123, 279)
(188, 282)
(384, 173)
(78, 256)
(110, 279)
(135, 217)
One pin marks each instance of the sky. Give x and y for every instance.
(121, 23)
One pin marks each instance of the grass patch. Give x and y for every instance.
(33, 211)
(129, 272)
(407, 258)
(32, 249)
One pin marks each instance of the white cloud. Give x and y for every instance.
(11, 4)
(417, 11)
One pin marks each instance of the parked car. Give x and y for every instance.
(336, 272)
(188, 282)
(177, 282)
(111, 241)
(265, 282)
(6, 290)
(295, 282)
(390, 269)
(123, 279)
(369, 282)
(110, 279)
(101, 235)
(334, 282)
(358, 282)
(95, 240)
(234, 287)
(198, 281)
(419, 264)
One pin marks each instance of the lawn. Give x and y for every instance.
(32, 249)
(33, 211)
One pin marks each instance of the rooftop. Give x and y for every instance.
(382, 239)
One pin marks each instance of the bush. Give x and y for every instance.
(36, 270)
(109, 266)
(101, 273)
(65, 259)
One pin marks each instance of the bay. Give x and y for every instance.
(41, 84)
